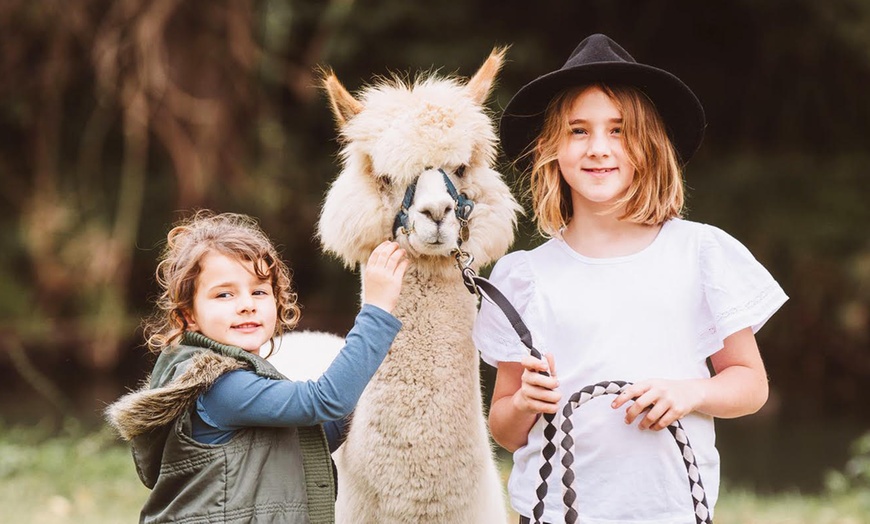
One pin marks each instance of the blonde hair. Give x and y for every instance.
(656, 192)
(234, 235)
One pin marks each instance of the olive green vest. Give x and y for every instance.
(262, 475)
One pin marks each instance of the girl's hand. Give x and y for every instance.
(537, 392)
(664, 400)
(382, 277)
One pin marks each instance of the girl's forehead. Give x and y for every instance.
(593, 101)
(215, 261)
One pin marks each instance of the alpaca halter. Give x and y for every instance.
(462, 209)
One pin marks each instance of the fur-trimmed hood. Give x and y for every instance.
(180, 375)
(190, 373)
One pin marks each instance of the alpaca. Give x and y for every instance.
(418, 448)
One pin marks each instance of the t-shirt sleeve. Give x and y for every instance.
(493, 334)
(242, 398)
(739, 292)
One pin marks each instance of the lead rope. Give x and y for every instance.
(474, 284)
(480, 286)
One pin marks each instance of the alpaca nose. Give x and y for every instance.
(436, 211)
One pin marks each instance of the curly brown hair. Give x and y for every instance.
(234, 235)
(657, 192)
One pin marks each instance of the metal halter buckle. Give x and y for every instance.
(464, 260)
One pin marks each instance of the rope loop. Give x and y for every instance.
(569, 497)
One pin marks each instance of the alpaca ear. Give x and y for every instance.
(480, 85)
(344, 105)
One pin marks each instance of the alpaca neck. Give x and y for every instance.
(437, 314)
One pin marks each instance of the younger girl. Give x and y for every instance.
(624, 290)
(218, 434)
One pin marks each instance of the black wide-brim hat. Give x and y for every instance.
(600, 59)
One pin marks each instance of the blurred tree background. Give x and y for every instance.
(117, 116)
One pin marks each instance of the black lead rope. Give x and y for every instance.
(469, 277)
(481, 286)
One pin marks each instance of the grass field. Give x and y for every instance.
(88, 477)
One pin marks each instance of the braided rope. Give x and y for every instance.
(548, 451)
(696, 487)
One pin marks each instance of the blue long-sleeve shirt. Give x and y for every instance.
(241, 399)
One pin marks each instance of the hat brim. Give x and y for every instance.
(678, 106)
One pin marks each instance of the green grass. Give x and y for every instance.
(79, 476)
(743, 507)
(73, 477)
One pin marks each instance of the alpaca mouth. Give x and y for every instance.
(436, 243)
(439, 238)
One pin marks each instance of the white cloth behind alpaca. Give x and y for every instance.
(304, 355)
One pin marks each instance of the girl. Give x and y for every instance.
(624, 290)
(218, 434)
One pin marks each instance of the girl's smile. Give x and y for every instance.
(599, 171)
(247, 327)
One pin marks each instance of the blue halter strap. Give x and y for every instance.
(400, 223)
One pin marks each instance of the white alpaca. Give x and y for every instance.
(418, 449)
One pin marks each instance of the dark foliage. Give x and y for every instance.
(117, 116)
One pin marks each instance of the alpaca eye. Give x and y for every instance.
(460, 171)
(384, 182)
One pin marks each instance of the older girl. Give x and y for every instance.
(624, 289)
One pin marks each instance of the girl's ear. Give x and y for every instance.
(189, 321)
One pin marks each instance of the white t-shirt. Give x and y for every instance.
(658, 313)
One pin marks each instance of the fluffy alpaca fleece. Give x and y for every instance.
(418, 449)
